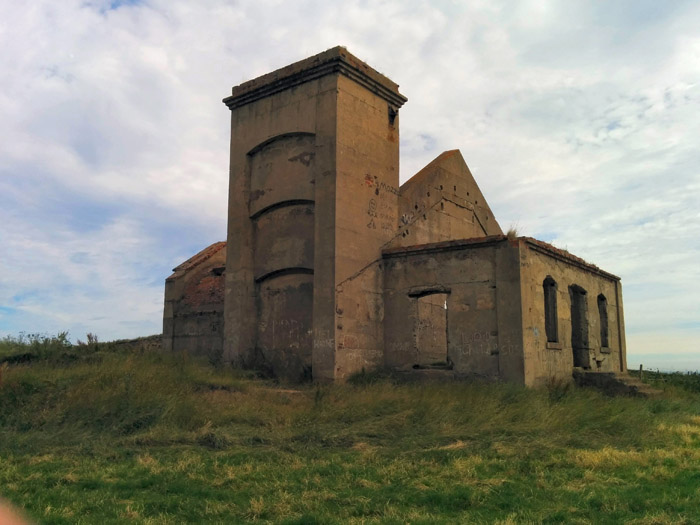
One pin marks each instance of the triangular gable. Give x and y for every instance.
(200, 257)
(449, 177)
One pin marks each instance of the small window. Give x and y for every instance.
(551, 320)
(393, 113)
(603, 313)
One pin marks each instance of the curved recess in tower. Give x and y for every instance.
(281, 206)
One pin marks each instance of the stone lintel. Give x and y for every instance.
(336, 60)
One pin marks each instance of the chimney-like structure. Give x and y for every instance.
(313, 197)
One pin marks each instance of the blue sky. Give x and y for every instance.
(578, 119)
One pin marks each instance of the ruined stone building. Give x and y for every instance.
(331, 266)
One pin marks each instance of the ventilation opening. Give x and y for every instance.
(431, 331)
(393, 111)
(579, 326)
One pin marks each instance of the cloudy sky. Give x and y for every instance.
(579, 119)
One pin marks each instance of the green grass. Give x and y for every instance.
(110, 436)
(33, 346)
(689, 381)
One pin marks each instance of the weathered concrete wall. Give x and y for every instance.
(194, 304)
(442, 202)
(481, 340)
(366, 219)
(282, 211)
(284, 239)
(284, 339)
(360, 322)
(545, 360)
(509, 310)
(280, 171)
(312, 144)
(277, 142)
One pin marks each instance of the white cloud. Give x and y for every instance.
(578, 120)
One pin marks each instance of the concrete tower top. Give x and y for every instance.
(337, 60)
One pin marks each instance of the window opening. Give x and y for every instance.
(603, 314)
(579, 326)
(551, 319)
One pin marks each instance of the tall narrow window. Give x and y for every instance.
(550, 310)
(579, 326)
(603, 313)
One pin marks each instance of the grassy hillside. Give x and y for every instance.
(98, 434)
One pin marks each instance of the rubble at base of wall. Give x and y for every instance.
(613, 384)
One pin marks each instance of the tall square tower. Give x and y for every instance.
(313, 198)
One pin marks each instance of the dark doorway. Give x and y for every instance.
(431, 330)
(579, 326)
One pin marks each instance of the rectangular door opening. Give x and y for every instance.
(431, 331)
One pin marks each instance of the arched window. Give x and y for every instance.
(551, 320)
(603, 313)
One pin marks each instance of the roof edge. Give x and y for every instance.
(490, 240)
(428, 169)
(200, 257)
(443, 246)
(336, 60)
(563, 255)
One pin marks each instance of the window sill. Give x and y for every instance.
(554, 346)
(604, 350)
